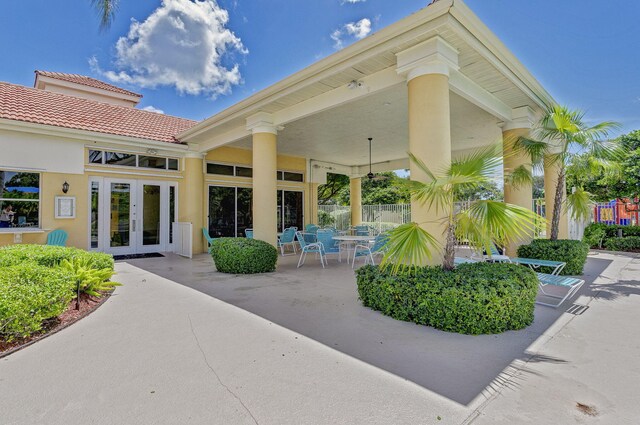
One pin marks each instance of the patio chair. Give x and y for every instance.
(310, 228)
(209, 239)
(329, 245)
(535, 263)
(462, 260)
(494, 255)
(571, 284)
(288, 238)
(248, 233)
(362, 230)
(57, 238)
(306, 248)
(368, 252)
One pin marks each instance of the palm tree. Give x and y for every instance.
(481, 222)
(560, 135)
(107, 10)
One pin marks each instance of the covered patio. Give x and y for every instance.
(437, 84)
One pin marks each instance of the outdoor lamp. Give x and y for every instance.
(65, 187)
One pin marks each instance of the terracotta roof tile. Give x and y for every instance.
(86, 81)
(27, 104)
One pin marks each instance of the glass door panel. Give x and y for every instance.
(95, 214)
(279, 212)
(222, 211)
(172, 211)
(150, 214)
(293, 208)
(244, 208)
(120, 214)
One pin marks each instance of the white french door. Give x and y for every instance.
(130, 216)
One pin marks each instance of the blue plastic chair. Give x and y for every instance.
(248, 233)
(329, 245)
(57, 238)
(311, 228)
(368, 252)
(209, 239)
(362, 230)
(288, 238)
(306, 247)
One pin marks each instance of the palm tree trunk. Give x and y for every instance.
(557, 205)
(449, 248)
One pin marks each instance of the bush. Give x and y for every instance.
(325, 219)
(630, 243)
(50, 256)
(87, 278)
(243, 256)
(594, 235)
(479, 298)
(574, 253)
(30, 294)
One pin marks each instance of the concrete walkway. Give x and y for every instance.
(161, 353)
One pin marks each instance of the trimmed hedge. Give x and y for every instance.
(51, 256)
(574, 253)
(630, 243)
(30, 294)
(243, 256)
(598, 235)
(479, 298)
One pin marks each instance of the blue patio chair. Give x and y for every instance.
(493, 256)
(368, 252)
(362, 230)
(57, 238)
(306, 247)
(311, 228)
(209, 239)
(288, 238)
(329, 245)
(248, 233)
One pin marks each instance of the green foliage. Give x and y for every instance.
(325, 219)
(487, 190)
(243, 256)
(88, 279)
(50, 256)
(30, 294)
(390, 190)
(332, 192)
(594, 235)
(574, 253)
(629, 244)
(479, 298)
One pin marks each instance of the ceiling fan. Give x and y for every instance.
(370, 175)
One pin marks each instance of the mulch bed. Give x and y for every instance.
(88, 304)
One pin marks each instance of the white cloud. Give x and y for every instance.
(357, 30)
(352, 1)
(181, 44)
(151, 108)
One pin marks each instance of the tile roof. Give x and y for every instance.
(27, 104)
(86, 81)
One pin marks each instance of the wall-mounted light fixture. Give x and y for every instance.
(65, 187)
(152, 151)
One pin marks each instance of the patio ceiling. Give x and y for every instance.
(339, 135)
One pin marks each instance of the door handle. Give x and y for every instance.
(133, 227)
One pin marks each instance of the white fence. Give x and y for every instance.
(385, 217)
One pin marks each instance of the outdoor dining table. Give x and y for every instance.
(353, 240)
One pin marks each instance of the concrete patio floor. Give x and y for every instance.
(159, 352)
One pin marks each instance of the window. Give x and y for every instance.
(241, 171)
(133, 160)
(19, 199)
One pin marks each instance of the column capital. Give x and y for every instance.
(262, 122)
(433, 56)
(523, 117)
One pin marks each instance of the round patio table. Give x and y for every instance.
(353, 240)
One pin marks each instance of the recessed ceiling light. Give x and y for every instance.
(387, 103)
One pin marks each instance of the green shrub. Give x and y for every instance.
(479, 298)
(30, 294)
(325, 219)
(50, 256)
(630, 243)
(243, 256)
(87, 278)
(594, 235)
(574, 253)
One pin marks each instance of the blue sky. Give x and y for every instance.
(583, 52)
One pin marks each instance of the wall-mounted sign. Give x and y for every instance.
(65, 207)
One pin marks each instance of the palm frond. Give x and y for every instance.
(107, 10)
(520, 176)
(579, 203)
(409, 246)
(534, 149)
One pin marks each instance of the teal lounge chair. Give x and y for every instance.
(57, 238)
(209, 239)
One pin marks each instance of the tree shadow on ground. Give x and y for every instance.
(322, 304)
